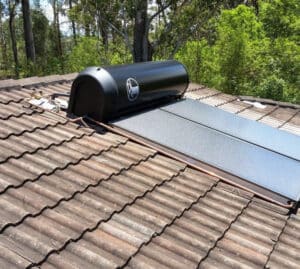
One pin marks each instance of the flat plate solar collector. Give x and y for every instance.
(253, 151)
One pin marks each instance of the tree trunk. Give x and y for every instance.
(141, 46)
(12, 8)
(73, 24)
(104, 35)
(57, 32)
(28, 35)
(3, 45)
(87, 30)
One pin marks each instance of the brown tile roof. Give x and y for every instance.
(79, 197)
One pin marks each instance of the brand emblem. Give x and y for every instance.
(133, 89)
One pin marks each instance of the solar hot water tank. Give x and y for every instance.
(106, 93)
(146, 99)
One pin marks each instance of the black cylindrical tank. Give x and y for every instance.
(105, 93)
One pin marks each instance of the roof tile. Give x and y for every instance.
(76, 198)
(33, 197)
(286, 253)
(73, 214)
(15, 172)
(190, 237)
(28, 123)
(137, 223)
(249, 241)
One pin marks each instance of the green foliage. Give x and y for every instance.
(272, 87)
(84, 54)
(186, 22)
(286, 60)
(244, 59)
(118, 54)
(239, 34)
(89, 51)
(281, 18)
(199, 59)
(292, 95)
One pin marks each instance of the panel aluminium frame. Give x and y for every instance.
(246, 160)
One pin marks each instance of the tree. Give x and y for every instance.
(240, 40)
(40, 29)
(281, 18)
(73, 23)
(28, 34)
(57, 5)
(247, 55)
(3, 42)
(187, 20)
(12, 13)
(141, 45)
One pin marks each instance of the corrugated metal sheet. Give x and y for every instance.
(72, 197)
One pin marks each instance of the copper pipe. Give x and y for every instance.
(79, 119)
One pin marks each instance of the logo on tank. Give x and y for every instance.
(133, 89)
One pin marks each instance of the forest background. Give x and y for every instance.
(237, 46)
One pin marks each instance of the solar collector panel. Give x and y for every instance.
(204, 134)
(253, 132)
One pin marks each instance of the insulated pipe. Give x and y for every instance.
(105, 93)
